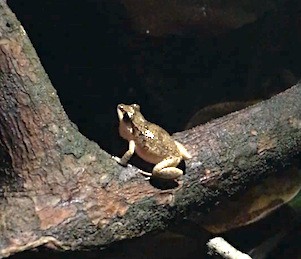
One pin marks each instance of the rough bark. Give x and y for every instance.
(58, 188)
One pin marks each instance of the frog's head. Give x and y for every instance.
(127, 112)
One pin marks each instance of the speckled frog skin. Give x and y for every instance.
(152, 143)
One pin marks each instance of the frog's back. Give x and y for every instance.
(153, 144)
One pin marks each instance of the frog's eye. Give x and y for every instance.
(136, 107)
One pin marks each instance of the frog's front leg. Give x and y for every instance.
(167, 169)
(127, 155)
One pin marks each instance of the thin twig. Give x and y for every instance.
(220, 246)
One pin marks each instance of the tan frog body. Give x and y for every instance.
(152, 143)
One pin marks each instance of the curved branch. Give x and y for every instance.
(70, 193)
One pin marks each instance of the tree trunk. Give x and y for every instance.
(59, 188)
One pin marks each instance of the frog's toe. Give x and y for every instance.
(118, 160)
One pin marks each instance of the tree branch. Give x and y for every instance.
(59, 188)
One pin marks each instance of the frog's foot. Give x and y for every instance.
(146, 174)
(119, 160)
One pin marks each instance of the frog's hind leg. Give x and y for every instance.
(183, 150)
(167, 169)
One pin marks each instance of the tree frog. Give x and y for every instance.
(151, 143)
